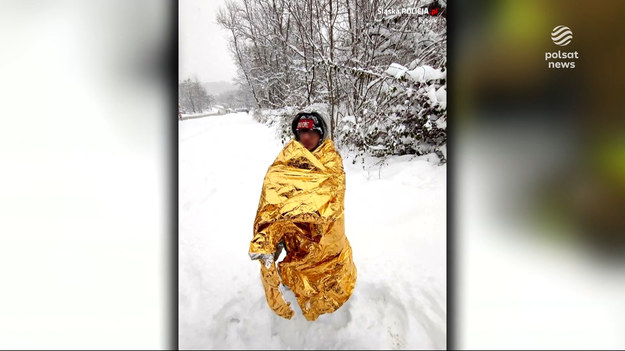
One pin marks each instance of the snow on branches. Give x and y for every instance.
(345, 53)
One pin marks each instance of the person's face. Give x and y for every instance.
(309, 138)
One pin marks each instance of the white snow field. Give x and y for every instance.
(395, 220)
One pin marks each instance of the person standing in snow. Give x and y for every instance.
(301, 208)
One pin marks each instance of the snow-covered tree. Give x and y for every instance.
(192, 96)
(378, 65)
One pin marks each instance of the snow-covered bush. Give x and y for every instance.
(279, 119)
(413, 119)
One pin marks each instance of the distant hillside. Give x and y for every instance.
(217, 88)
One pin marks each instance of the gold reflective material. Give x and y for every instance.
(301, 205)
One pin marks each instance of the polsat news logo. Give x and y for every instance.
(562, 36)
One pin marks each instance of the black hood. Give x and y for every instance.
(326, 131)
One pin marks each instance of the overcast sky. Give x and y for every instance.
(203, 48)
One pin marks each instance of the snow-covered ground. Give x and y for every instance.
(209, 112)
(395, 220)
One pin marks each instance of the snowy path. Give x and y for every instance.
(396, 226)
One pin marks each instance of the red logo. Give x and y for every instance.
(434, 11)
(305, 124)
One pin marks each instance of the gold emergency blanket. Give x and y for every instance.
(301, 207)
